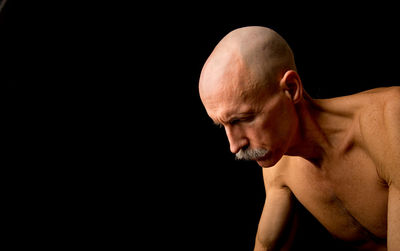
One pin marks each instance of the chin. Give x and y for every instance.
(265, 164)
(269, 161)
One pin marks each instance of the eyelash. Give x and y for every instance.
(245, 119)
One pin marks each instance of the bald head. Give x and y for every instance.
(246, 61)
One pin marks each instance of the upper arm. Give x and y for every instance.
(393, 235)
(391, 167)
(392, 128)
(380, 128)
(277, 210)
(381, 131)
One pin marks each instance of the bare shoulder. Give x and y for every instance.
(391, 114)
(391, 128)
(385, 94)
(380, 128)
(276, 176)
(392, 104)
(381, 106)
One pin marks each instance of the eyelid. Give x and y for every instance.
(235, 120)
(241, 119)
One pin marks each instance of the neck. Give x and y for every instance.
(322, 129)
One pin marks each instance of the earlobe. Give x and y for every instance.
(292, 86)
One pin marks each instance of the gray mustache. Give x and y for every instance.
(250, 154)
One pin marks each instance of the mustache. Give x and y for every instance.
(250, 154)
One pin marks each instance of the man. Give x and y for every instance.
(338, 157)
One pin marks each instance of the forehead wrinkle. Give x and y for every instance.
(226, 116)
(221, 117)
(224, 109)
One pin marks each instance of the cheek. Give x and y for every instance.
(284, 127)
(275, 128)
(262, 132)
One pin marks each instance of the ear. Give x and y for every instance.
(292, 86)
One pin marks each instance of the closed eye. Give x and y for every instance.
(243, 119)
(236, 120)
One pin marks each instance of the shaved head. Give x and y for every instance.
(247, 61)
(249, 85)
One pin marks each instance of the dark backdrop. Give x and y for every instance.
(108, 140)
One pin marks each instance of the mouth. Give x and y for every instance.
(263, 158)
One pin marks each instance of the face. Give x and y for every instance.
(267, 122)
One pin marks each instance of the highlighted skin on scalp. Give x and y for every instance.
(247, 60)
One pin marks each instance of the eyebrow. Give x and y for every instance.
(234, 117)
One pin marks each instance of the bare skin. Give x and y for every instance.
(338, 157)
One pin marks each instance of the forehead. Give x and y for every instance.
(228, 81)
(226, 105)
(227, 86)
(226, 112)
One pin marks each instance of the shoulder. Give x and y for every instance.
(391, 121)
(380, 107)
(391, 109)
(277, 175)
(380, 128)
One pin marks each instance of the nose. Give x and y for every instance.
(237, 139)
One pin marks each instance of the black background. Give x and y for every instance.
(106, 141)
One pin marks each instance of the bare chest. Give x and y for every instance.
(345, 195)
